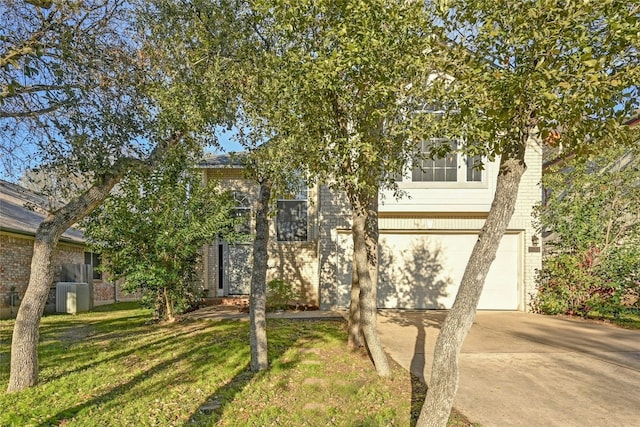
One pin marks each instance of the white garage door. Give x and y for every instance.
(423, 271)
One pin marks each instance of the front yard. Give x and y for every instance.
(113, 367)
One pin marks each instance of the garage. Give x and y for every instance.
(423, 271)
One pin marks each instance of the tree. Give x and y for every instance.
(523, 70)
(593, 251)
(270, 169)
(51, 58)
(152, 230)
(74, 89)
(256, 170)
(258, 306)
(336, 81)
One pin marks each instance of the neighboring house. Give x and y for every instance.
(426, 238)
(21, 212)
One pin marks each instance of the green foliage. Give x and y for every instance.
(280, 294)
(538, 66)
(592, 213)
(568, 285)
(152, 230)
(73, 88)
(118, 369)
(334, 81)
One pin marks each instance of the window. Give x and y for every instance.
(474, 169)
(242, 210)
(443, 169)
(94, 260)
(292, 219)
(447, 168)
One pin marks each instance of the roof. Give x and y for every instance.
(229, 160)
(22, 211)
(634, 122)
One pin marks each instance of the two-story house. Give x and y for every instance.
(426, 238)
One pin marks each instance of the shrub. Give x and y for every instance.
(577, 284)
(563, 287)
(280, 294)
(152, 231)
(622, 267)
(591, 209)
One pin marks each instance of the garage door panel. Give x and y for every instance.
(413, 273)
(500, 290)
(423, 271)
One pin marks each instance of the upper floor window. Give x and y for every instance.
(292, 219)
(452, 167)
(242, 210)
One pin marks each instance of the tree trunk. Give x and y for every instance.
(258, 300)
(444, 375)
(356, 338)
(168, 306)
(365, 261)
(160, 306)
(24, 347)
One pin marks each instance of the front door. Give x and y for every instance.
(237, 265)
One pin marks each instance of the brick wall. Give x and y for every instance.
(103, 293)
(294, 262)
(15, 266)
(312, 266)
(529, 194)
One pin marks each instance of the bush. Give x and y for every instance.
(577, 284)
(622, 267)
(563, 287)
(280, 294)
(591, 210)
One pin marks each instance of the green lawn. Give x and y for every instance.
(113, 367)
(626, 318)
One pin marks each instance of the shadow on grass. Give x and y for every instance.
(60, 417)
(280, 332)
(169, 373)
(158, 372)
(88, 358)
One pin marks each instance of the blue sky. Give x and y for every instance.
(225, 138)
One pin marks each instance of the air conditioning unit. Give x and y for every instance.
(72, 297)
(79, 273)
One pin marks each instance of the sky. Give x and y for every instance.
(225, 138)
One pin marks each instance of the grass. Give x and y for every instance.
(627, 318)
(112, 367)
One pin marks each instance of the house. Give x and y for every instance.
(426, 238)
(21, 212)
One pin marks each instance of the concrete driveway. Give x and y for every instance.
(520, 369)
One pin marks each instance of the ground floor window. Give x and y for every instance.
(94, 260)
(292, 219)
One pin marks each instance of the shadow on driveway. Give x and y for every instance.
(523, 369)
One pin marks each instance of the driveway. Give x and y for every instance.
(521, 369)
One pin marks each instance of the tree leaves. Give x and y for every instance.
(153, 229)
